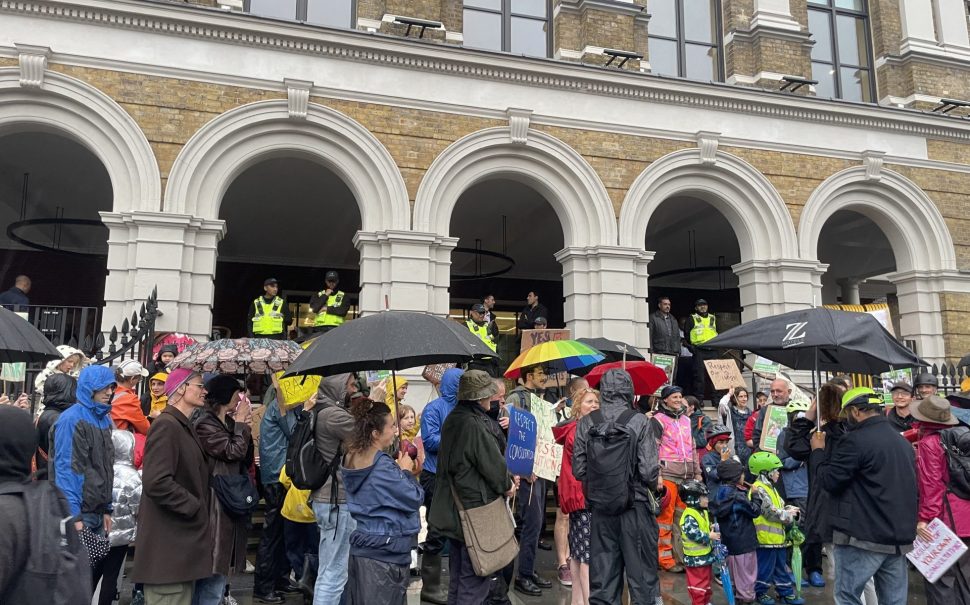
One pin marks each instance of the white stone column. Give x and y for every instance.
(175, 253)
(774, 14)
(916, 18)
(951, 16)
(770, 287)
(605, 288)
(935, 27)
(404, 270)
(920, 317)
(850, 291)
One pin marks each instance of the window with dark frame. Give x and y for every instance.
(520, 27)
(331, 13)
(684, 39)
(842, 54)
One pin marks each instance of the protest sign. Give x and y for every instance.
(891, 379)
(548, 462)
(521, 450)
(932, 558)
(724, 373)
(296, 389)
(545, 415)
(765, 367)
(667, 363)
(531, 338)
(434, 372)
(375, 376)
(776, 419)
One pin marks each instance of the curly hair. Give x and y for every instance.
(370, 416)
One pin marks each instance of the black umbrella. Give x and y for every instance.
(964, 361)
(822, 340)
(390, 340)
(613, 349)
(20, 341)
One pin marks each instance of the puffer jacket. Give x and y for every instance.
(735, 514)
(384, 501)
(434, 414)
(83, 455)
(126, 494)
(61, 394)
(616, 395)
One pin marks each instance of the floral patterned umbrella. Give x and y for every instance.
(238, 356)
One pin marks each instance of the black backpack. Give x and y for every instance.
(956, 444)
(305, 466)
(57, 571)
(611, 454)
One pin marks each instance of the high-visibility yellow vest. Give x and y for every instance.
(269, 317)
(770, 533)
(481, 331)
(703, 329)
(691, 548)
(328, 319)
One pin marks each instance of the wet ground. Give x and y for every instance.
(673, 588)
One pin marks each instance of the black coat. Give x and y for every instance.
(59, 394)
(735, 515)
(871, 477)
(798, 444)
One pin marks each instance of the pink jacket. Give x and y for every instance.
(678, 457)
(932, 476)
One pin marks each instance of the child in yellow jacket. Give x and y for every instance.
(301, 538)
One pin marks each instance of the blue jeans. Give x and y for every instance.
(209, 591)
(853, 568)
(773, 571)
(335, 530)
(94, 522)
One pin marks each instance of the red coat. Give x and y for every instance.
(749, 427)
(571, 497)
(932, 476)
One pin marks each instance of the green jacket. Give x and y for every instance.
(471, 459)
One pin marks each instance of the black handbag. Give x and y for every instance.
(236, 494)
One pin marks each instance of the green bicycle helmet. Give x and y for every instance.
(861, 396)
(796, 406)
(763, 462)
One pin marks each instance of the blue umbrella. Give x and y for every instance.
(721, 553)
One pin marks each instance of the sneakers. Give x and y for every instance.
(764, 599)
(565, 575)
(793, 600)
(816, 579)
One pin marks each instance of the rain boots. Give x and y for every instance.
(431, 589)
(309, 576)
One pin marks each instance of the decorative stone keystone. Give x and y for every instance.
(707, 143)
(297, 97)
(33, 64)
(519, 124)
(873, 161)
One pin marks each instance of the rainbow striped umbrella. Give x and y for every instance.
(563, 354)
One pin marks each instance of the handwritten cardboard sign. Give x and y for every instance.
(724, 373)
(434, 372)
(296, 389)
(520, 452)
(668, 363)
(776, 419)
(933, 558)
(531, 338)
(548, 463)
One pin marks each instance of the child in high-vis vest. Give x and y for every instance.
(773, 544)
(699, 556)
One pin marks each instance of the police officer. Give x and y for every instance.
(330, 305)
(480, 328)
(926, 384)
(701, 327)
(269, 315)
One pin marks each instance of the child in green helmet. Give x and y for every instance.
(699, 556)
(770, 527)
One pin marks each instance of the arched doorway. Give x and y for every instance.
(289, 218)
(52, 190)
(859, 257)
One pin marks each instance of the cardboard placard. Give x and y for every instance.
(295, 390)
(933, 558)
(776, 419)
(548, 462)
(434, 372)
(667, 363)
(521, 449)
(531, 338)
(724, 373)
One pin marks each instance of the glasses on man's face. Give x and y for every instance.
(200, 385)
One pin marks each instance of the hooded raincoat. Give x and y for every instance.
(434, 414)
(61, 394)
(83, 454)
(40, 383)
(126, 493)
(334, 426)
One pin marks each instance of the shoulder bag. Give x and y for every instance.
(489, 535)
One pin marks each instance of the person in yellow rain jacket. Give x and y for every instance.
(300, 534)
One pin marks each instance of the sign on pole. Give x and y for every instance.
(667, 363)
(776, 419)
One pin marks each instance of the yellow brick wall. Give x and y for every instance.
(956, 327)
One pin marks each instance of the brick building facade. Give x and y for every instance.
(176, 100)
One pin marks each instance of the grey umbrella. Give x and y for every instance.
(613, 350)
(821, 339)
(20, 341)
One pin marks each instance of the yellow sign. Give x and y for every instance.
(296, 389)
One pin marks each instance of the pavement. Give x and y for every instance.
(673, 588)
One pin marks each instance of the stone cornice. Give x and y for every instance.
(229, 28)
(612, 6)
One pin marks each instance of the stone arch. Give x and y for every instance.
(542, 161)
(246, 135)
(908, 217)
(747, 199)
(68, 107)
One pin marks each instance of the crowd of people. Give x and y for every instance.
(647, 484)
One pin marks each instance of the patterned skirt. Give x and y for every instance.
(579, 536)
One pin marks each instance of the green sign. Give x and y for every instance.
(668, 363)
(766, 367)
